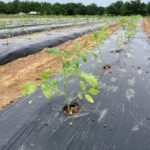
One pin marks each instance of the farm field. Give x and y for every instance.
(104, 61)
(21, 46)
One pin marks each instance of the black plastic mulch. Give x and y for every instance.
(118, 120)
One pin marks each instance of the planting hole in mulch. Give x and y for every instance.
(107, 67)
(11, 102)
(117, 50)
(72, 109)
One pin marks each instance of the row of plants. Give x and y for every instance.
(128, 26)
(89, 83)
(6, 32)
(23, 21)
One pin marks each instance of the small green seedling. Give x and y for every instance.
(70, 70)
(122, 35)
(99, 37)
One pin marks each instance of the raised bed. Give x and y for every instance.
(119, 119)
(33, 29)
(21, 47)
(46, 21)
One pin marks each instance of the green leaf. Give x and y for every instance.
(95, 36)
(69, 71)
(83, 56)
(76, 46)
(93, 91)
(82, 85)
(93, 82)
(54, 52)
(65, 63)
(75, 62)
(90, 79)
(54, 82)
(80, 96)
(89, 98)
(92, 54)
(85, 45)
(60, 72)
(67, 53)
(56, 91)
(29, 88)
(46, 74)
(105, 27)
(46, 91)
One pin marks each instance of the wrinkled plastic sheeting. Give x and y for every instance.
(113, 122)
(18, 23)
(33, 29)
(21, 47)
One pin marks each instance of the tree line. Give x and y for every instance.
(121, 8)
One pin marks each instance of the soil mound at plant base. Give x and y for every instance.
(146, 25)
(71, 109)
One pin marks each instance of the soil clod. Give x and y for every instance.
(11, 102)
(38, 79)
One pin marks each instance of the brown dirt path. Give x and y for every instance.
(146, 24)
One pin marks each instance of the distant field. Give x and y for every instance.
(42, 16)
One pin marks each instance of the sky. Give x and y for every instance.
(98, 2)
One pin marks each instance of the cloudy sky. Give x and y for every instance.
(98, 2)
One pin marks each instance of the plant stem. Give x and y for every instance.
(65, 88)
(101, 55)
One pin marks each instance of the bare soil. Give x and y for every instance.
(15, 74)
(146, 25)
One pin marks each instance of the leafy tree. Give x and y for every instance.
(16, 6)
(127, 9)
(2, 7)
(148, 8)
(133, 7)
(101, 10)
(57, 9)
(92, 9)
(115, 8)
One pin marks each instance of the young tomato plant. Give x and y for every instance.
(88, 83)
(99, 37)
(122, 35)
(132, 26)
